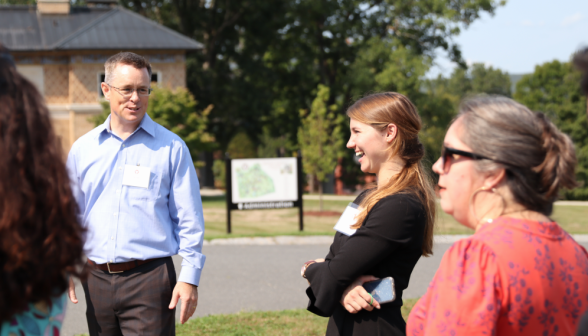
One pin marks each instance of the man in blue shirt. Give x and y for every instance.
(139, 199)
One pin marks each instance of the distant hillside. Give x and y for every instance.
(514, 78)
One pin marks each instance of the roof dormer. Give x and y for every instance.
(53, 6)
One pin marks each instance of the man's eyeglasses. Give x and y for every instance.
(128, 92)
(448, 153)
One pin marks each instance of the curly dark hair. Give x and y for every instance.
(40, 237)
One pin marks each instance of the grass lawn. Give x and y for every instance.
(293, 322)
(286, 322)
(573, 219)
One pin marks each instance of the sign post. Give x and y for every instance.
(300, 190)
(228, 188)
(270, 183)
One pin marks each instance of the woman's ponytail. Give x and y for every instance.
(557, 170)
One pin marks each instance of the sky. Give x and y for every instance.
(523, 34)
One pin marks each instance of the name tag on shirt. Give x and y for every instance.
(347, 219)
(136, 176)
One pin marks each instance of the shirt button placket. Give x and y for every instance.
(118, 193)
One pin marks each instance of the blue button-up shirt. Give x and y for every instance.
(127, 223)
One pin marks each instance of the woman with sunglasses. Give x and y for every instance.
(393, 228)
(520, 273)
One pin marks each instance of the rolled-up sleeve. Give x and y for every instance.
(185, 209)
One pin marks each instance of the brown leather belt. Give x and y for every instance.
(119, 267)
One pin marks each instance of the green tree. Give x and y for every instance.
(241, 147)
(387, 65)
(476, 79)
(438, 99)
(437, 108)
(176, 111)
(553, 88)
(263, 59)
(489, 80)
(219, 171)
(320, 138)
(229, 72)
(273, 146)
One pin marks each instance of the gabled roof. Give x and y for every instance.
(84, 28)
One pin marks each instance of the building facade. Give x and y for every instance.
(62, 50)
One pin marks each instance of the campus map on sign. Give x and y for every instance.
(262, 180)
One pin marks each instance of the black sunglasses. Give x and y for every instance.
(447, 152)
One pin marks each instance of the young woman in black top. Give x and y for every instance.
(394, 226)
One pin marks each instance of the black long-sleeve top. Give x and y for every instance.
(389, 243)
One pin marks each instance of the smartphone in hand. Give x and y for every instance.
(382, 290)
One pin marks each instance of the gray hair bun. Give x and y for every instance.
(540, 159)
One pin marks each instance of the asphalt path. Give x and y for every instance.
(254, 278)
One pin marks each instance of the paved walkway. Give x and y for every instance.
(253, 274)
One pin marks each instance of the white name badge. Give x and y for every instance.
(347, 219)
(136, 176)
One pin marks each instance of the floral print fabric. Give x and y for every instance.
(37, 319)
(513, 277)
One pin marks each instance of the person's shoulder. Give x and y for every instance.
(87, 138)
(167, 136)
(466, 248)
(397, 208)
(405, 200)
(361, 196)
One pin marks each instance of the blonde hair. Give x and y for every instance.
(379, 110)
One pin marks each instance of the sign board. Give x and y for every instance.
(264, 180)
(269, 183)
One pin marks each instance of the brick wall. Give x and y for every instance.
(173, 74)
(61, 127)
(83, 83)
(56, 83)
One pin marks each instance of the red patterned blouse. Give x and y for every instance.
(513, 277)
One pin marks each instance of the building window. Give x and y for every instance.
(101, 77)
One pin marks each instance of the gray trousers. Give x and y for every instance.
(134, 302)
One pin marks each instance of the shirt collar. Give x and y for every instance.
(147, 124)
(107, 125)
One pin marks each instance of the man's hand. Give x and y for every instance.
(356, 298)
(71, 292)
(189, 295)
